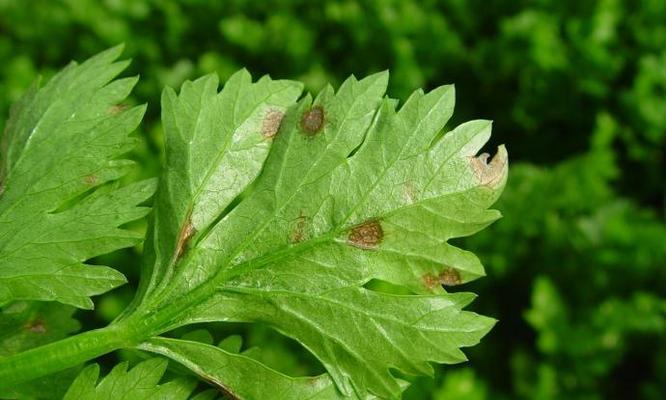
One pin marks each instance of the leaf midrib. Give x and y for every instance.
(173, 311)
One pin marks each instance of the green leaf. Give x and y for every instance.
(139, 383)
(351, 191)
(232, 343)
(58, 203)
(240, 376)
(354, 330)
(210, 394)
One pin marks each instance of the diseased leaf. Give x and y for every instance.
(216, 146)
(139, 383)
(352, 190)
(24, 325)
(58, 204)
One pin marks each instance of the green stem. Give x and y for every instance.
(75, 350)
(63, 354)
(126, 333)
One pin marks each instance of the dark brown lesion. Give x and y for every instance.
(271, 123)
(313, 120)
(367, 235)
(36, 326)
(297, 235)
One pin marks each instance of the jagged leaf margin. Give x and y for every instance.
(59, 205)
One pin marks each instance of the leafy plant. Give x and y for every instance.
(272, 208)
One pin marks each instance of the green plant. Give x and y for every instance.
(270, 210)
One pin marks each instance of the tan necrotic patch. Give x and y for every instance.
(186, 232)
(490, 173)
(90, 180)
(430, 281)
(271, 123)
(367, 235)
(450, 277)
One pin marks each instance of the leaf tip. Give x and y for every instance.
(491, 173)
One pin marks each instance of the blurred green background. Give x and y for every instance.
(577, 90)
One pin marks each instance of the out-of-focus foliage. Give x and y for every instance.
(577, 89)
(591, 266)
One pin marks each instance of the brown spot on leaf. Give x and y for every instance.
(184, 236)
(450, 277)
(313, 120)
(36, 326)
(493, 172)
(430, 281)
(299, 229)
(367, 235)
(90, 180)
(117, 108)
(271, 124)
